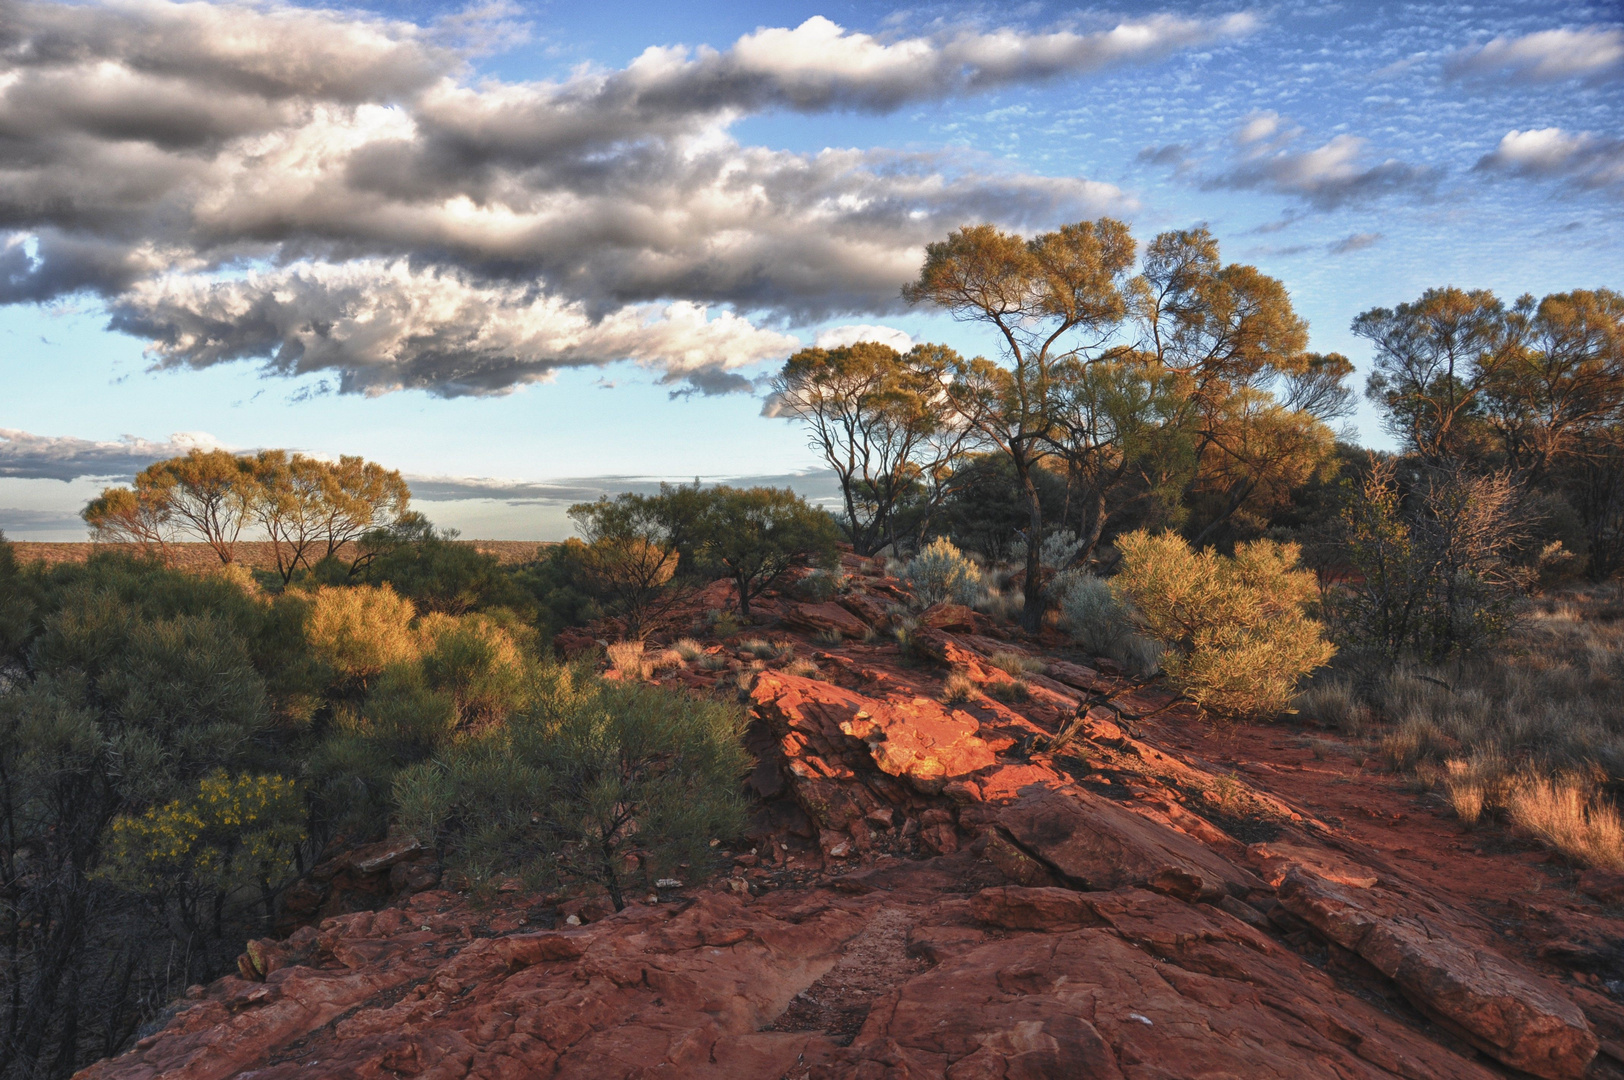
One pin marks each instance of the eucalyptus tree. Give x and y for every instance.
(1048, 299)
(1157, 387)
(873, 414)
(1435, 361)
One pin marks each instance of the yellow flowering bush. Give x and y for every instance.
(232, 831)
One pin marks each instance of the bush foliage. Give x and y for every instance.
(613, 783)
(1237, 630)
(941, 573)
(175, 748)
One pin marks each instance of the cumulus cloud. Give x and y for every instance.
(1581, 159)
(819, 64)
(26, 456)
(1590, 53)
(838, 336)
(382, 326)
(1339, 173)
(232, 179)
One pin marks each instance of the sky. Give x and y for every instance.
(531, 252)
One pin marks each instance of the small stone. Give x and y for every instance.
(668, 883)
(573, 920)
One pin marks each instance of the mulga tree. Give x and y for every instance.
(1157, 387)
(630, 557)
(753, 535)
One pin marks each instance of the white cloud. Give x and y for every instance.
(1581, 159)
(153, 149)
(383, 326)
(1335, 174)
(1592, 53)
(839, 336)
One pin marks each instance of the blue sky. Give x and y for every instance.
(432, 235)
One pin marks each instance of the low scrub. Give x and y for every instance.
(613, 784)
(1102, 624)
(1236, 629)
(942, 573)
(1567, 813)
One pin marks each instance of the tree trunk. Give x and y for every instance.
(611, 880)
(1032, 613)
(1093, 527)
(743, 584)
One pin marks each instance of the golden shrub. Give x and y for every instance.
(362, 630)
(1237, 630)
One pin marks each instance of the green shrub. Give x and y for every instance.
(1094, 614)
(593, 773)
(753, 535)
(476, 659)
(941, 572)
(1236, 629)
(428, 567)
(821, 586)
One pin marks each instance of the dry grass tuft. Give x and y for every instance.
(1335, 704)
(957, 689)
(1009, 690)
(806, 669)
(762, 649)
(1015, 664)
(689, 649)
(628, 660)
(1567, 813)
(1417, 741)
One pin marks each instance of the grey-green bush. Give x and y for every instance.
(941, 572)
(1096, 618)
(610, 783)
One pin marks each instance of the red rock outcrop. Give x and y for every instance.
(931, 893)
